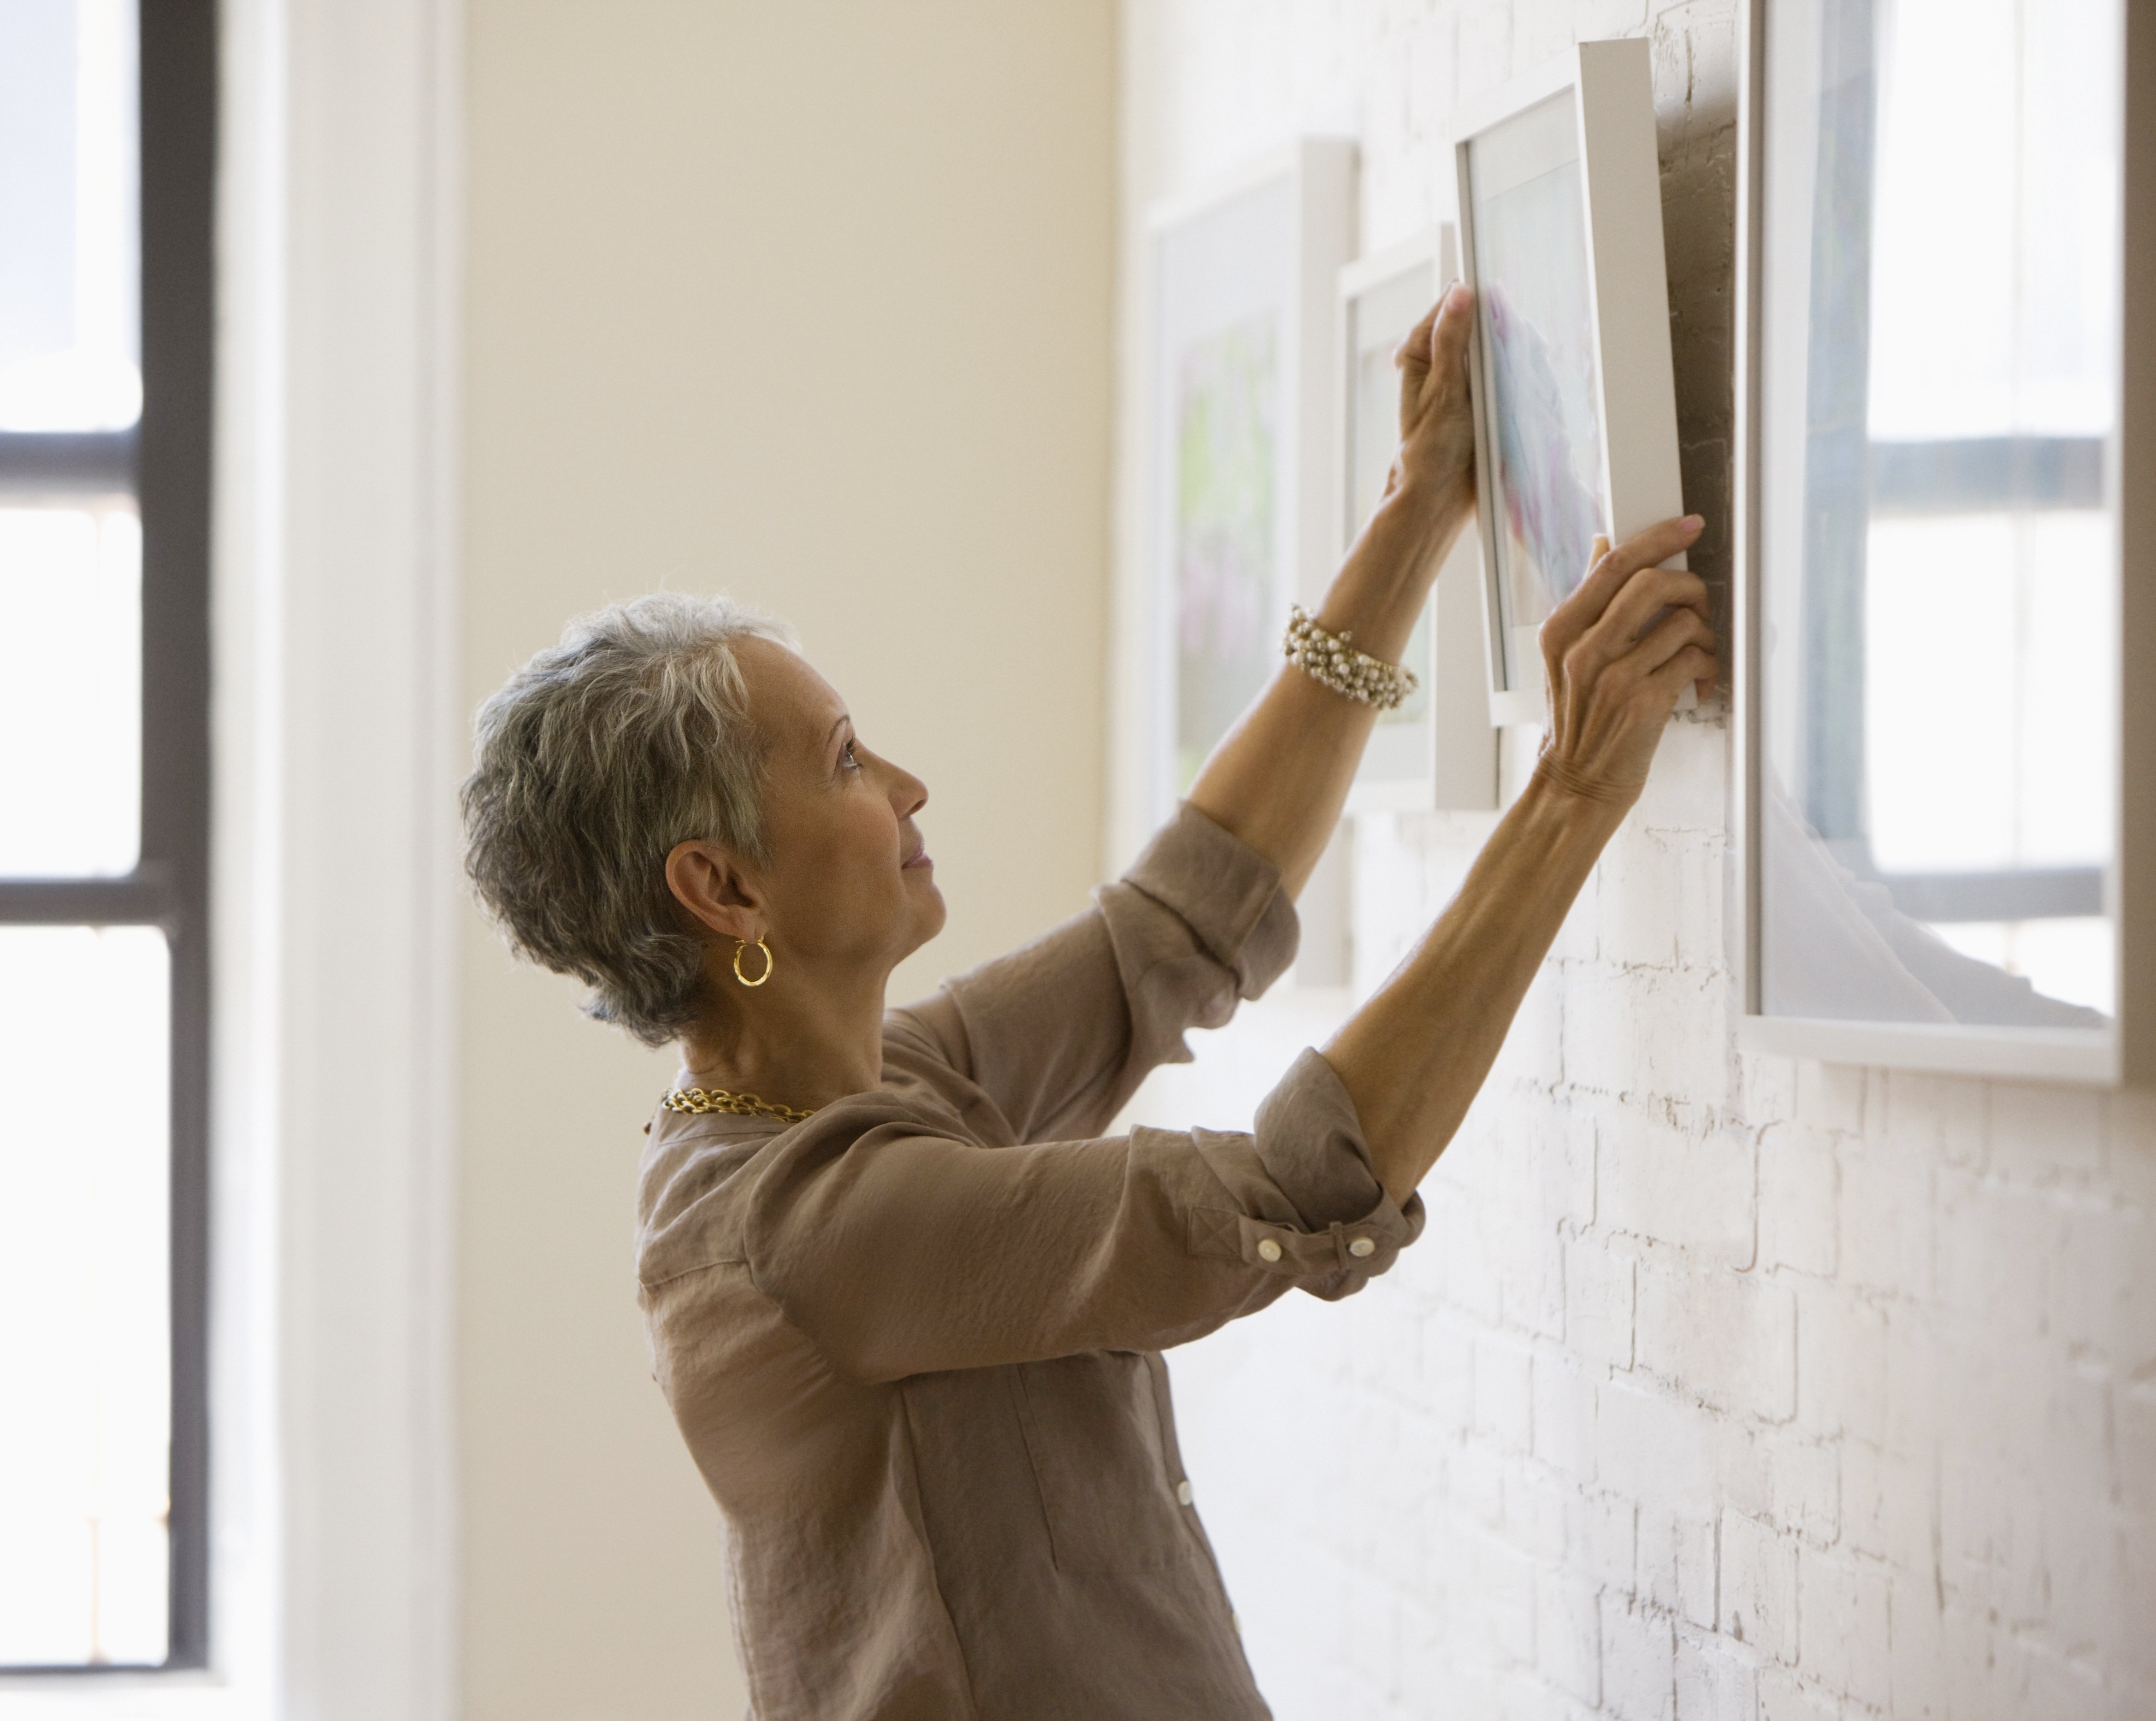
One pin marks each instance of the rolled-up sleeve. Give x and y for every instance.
(1303, 1183)
(899, 1252)
(1059, 1033)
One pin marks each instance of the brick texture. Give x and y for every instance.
(1721, 1386)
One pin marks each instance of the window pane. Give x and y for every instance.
(1987, 719)
(2075, 960)
(1939, 578)
(85, 1341)
(70, 691)
(1994, 230)
(69, 276)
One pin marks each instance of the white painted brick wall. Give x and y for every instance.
(1719, 1387)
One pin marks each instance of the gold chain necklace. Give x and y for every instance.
(696, 1101)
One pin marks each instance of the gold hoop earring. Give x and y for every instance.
(740, 946)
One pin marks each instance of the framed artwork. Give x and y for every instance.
(1240, 522)
(1437, 749)
(1576, 422)
(1946, 729)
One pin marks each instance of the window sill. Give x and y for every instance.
(190, 1695)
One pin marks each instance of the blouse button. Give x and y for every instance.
(1183, 1493)
(1268, 1250)
(1362, 1248)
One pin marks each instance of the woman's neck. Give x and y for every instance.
(800, 1044)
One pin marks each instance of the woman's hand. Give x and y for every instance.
(1436, 460)
(1618, 651)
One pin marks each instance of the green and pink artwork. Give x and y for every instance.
(1226, 441)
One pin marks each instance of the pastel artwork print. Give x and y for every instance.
(1539, 332)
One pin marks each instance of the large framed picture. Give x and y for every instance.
(1240, 439)
(1576, 424)
(1945, 612)
(1437, 749)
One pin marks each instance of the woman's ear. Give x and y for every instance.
(709, 884)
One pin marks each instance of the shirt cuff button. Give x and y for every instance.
(1182, 1492)
(1268, 1250)
(1362, 1248)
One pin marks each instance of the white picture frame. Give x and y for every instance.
(1241, 282)
(1438, 751)
(2123, 1053)
(1561, 237)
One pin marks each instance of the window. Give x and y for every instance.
(106, 152)
(1938, 610)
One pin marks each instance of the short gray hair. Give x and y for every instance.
(599, 755)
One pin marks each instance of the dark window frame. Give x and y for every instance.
(166, 462)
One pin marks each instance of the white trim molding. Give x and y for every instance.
(365, 983)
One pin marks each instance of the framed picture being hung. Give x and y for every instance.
(1576, 423)
(1241, 394)
(1947, 607)
(1437, 749)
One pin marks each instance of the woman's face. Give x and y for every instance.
(850, 882)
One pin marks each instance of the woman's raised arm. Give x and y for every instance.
(1280, 778)
(1618, 653)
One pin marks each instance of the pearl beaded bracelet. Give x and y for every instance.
(1332, 660)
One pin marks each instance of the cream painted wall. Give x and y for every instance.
(809, 302)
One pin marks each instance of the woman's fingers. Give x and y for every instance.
(1413, 356)
(1658, 544)
(1433, 360)
(1563, 625)
(1447, 345)
(1639, 606)
(1648, 597)
(1680, 630)
(1620, 651)
(1441, 333)
(1437, 427)
(1608, 572)
(1695, 663)
(1680, 649)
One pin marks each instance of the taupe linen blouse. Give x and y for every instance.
(913, 1343)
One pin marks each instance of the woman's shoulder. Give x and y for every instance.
(687, 1207)
(928, 1033)
(928, 1066)
(698, 1184)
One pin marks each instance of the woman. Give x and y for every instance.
(906, 1301)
